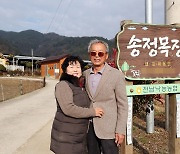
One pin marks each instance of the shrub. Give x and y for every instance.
(2, 68)
(15, 73)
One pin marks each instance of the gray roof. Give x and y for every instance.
(54, 58)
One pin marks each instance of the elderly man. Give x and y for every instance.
(106, 88)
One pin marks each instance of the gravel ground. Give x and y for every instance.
(154, 143)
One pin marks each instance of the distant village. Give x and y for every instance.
(12, 65)
(15, 65)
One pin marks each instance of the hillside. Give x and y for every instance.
(50, 44)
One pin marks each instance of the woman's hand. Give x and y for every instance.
(99, 112)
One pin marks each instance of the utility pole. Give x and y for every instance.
(13, 64)
(172, 15)
(148, 11)
(150, 104)
(32, 60)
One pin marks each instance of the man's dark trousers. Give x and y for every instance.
(96, 145)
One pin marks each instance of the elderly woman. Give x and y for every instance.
(71, 121)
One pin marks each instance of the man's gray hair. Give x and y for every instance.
(98, 41)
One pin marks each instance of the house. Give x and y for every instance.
(18, 62)
(51, 66)
(3, 60)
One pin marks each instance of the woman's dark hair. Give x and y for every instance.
(72, 59)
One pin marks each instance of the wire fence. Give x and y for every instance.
(13, 87)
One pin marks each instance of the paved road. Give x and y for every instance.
(25, 122)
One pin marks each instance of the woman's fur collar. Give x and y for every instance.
(78, 82)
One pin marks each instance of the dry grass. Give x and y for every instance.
(13, 87)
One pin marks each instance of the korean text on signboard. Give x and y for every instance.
(152, 89)
(149, 51)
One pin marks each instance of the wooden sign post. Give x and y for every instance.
(127, 146)
(151, 52)
(174, 123)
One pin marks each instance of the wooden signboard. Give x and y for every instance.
(149, 51)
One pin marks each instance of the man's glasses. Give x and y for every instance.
(100, 54)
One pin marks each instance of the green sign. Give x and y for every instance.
(152, 89)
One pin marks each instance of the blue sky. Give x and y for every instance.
(75, 17)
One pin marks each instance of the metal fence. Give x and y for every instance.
(12, 87)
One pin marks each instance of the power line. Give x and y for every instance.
(54, 16)
(63, 16)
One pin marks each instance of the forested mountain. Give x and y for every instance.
(45, 45)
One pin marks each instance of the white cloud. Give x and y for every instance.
(75, 17)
